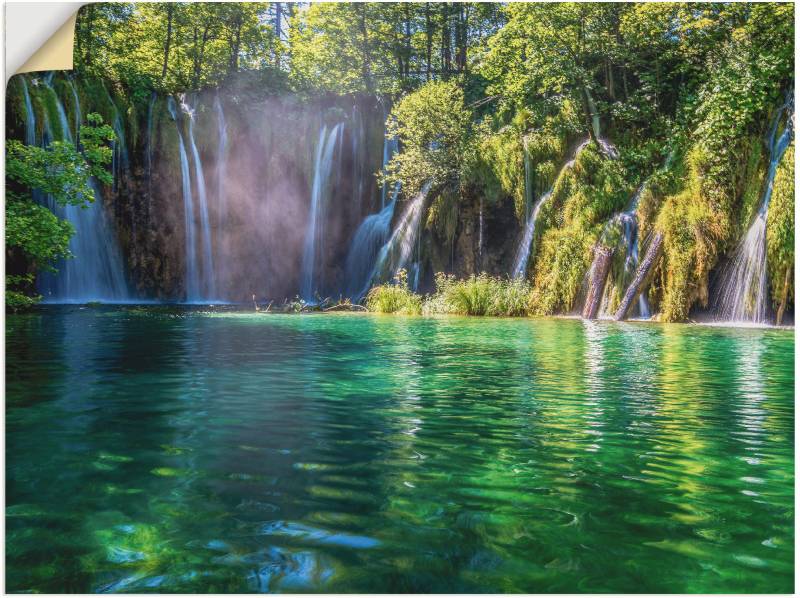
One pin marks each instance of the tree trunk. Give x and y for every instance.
(168, 41)
(784, 297)
(461, 39)
(642, 272)
(365, 72)
(428, 40)
(277, 31)
(89, 37)
(446, 55)
(237, 40)
(277, 25)
(407, 41)
(597, 281)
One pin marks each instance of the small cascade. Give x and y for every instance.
(192, 275)
(209, 290)
(743, 294)
(78, 116)
(119, 160)
(371, 236)
(365, 249)
(629, 242)
(222, 131)
(398, 250)
(390, 147)
(95, 272)
(312, 248)
(524, 249)
(358, 157)
(30, 115)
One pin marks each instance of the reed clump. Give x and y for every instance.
(394, 297)
(480, 295)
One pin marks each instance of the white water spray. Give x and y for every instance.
(743, 294)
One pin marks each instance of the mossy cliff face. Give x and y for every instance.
(258, 193)
(259, 188)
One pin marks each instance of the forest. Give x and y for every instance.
(686, 108)
(245, 243)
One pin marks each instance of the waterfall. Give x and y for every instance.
(524, 249)
(119, 160)
(371, 235)
(30, 115)
(312, 248)
(192, 276)
(365, 248)
(95, 272)
(222, 128)
(78, 116)
(357, 145)
(630, 244)
(743, 294)
(209, 286)
(396, 252)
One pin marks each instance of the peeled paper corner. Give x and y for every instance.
(39, 36)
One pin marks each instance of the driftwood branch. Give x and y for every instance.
(597, 280)
(642, 272)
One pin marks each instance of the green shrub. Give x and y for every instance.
(480, 295)
(780, 230)
(394, 298)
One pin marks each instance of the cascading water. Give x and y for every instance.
(371, 235)
(222, 131)
(77, 102)
(630, 242)
(30, 115)
(524, 248)
(208, 289)
(95, 272)
(365, 249)
(397, 251)
(743, 295)
(312, 248)
(192, 275)
(119, 160)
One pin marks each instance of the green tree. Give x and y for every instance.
(434, 128)
(35, 236)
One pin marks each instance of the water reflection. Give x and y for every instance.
(188, 451)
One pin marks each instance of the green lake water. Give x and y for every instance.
(181, 450)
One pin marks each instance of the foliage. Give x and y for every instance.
(480, 295)
(583, 198)
(780, 229)
(175, 46)
(487, 100)
(434, 129)
(394, 297)
(60, 174)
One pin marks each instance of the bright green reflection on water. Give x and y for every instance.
(171, 450)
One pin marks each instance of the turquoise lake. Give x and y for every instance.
(169, 449)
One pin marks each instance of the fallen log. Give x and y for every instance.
(642, 272)
(597, 281)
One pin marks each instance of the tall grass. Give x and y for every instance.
(394, 297)
(480, 295)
